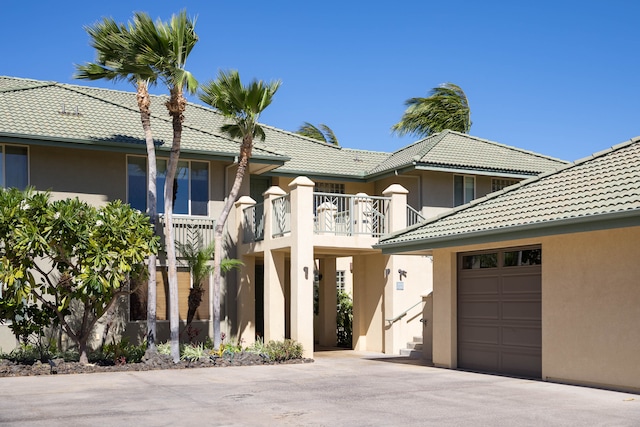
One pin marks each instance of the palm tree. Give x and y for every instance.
(117, 59)
(322, 133)
(243, 105)
(446, 107)
(165, 46)
(198, 258)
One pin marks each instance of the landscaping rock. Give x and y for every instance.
(150, 362)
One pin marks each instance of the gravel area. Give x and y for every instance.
(59, 366)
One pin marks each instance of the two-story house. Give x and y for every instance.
(310, 212)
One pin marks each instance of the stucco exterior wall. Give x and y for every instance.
(94, 176)
(590, 306)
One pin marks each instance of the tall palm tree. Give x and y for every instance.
(446, 107)
(166, 47)
(117, 59)
(322, 133)
(243, 105)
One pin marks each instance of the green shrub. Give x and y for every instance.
(280, 351)
(192, 352)
(344, 320)
(121, 352)
(164, 348)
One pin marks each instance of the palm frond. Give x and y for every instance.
(243, 104)
(446, 107)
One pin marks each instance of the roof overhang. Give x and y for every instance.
(450, 169)
(270, 161)
(539, 229)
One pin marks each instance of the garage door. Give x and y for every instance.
(499, 311)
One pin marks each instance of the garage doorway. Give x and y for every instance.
(500, 311)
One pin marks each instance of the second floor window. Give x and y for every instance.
(464, 189)
(14, 166)
(191, 186)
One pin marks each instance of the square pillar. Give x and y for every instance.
(274, 280)
(246, 300)
(302, 263)
(398, 207)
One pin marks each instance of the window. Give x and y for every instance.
(340, 280)
(479, 261)
(191, 185)
(524, 257)
(14, 166)
(464, 189)
(329, 187)
(499, 184)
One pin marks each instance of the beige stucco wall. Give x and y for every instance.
(590, 306)
(94, 176)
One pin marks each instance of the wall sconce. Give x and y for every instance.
(387, 272)
(402, 273)
(306, 273)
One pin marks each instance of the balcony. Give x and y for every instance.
(342, 215)
(189, 229)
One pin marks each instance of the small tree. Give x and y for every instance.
(198, 258)
(54, 253)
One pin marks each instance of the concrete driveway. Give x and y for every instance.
(340, 388)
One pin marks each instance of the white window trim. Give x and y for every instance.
(463, 182)
(189, 161)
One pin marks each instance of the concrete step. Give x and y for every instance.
(413, 354)
(414, 346)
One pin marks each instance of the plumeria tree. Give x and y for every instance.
(53, 254)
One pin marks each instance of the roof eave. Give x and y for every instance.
(629, 218)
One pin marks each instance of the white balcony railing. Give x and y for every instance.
(348, 215)
(189, 229)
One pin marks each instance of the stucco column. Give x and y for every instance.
(394, 336)
(245, 294)
(274, 280)
(274, 274)
(398, 206)
(302, 264)
(445, 335)
(328, 299)
(271, 193)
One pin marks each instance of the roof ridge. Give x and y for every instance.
(437, 138)
(526, 182)
(510, 147)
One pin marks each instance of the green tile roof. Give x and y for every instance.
(61, 112)
(50, 111)
(603, 187)
(449, 150)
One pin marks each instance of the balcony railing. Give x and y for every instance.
(413, 216)
(189, 230)
(349, 215)
(253, 230)
(281, 215)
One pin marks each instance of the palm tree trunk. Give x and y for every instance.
(144, 103)
(176, 106)
(245, 154)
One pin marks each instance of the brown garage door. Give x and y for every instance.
(499, 311)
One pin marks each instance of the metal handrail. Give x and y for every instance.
(401, 315)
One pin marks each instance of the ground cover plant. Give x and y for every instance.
(29, 359)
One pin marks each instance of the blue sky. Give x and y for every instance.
(557, 77)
